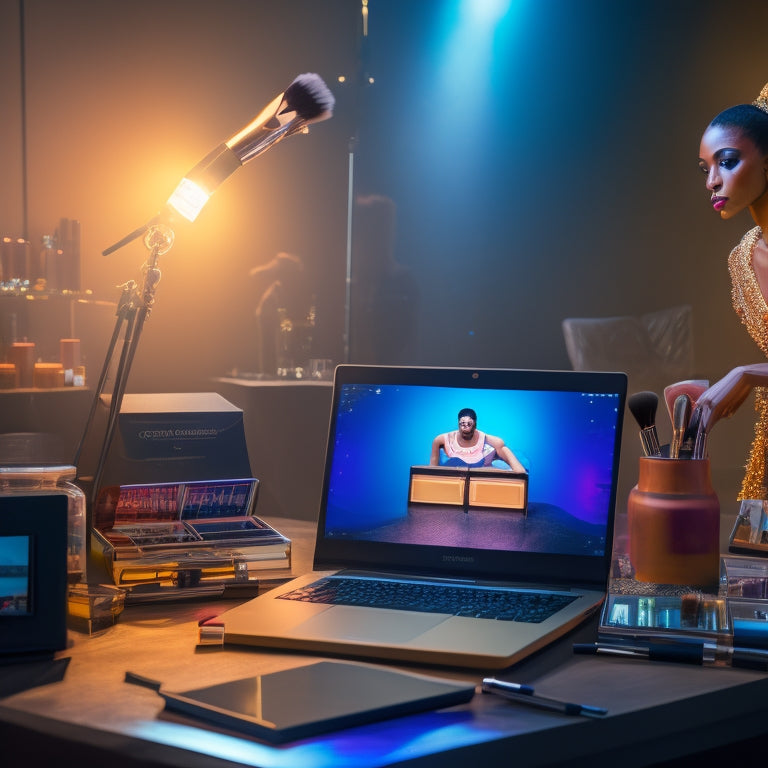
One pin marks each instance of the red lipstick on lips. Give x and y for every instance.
(718, 203)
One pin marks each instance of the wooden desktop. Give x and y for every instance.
(78, 709)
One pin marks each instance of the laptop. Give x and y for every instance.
(534, 539)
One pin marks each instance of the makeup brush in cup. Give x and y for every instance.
(691, 387)
(643, 407)
(681, 415)
(691, 436)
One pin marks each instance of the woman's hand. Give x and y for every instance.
(725, 396)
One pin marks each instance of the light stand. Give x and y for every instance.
(307, 100)
(362, 79)
(132, 312)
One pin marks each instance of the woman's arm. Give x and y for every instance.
(437, 444)
(504, 453)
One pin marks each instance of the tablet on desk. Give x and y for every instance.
(316, 698)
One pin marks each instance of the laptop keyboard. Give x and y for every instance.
(424, 597)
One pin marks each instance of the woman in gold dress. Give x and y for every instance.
(734, 157)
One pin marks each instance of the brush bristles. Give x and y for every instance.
(309, 97)
(643, 406)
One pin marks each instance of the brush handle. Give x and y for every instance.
(681, 414)
(675, 443)
(649, 439)
(691, 436)
(700, 444)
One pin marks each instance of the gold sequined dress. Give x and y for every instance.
(751, 307)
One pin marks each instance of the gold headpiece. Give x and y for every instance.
(761, 102)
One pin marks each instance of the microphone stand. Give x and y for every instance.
(133, 309)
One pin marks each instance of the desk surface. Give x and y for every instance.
(79, 705)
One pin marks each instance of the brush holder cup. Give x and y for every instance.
(673, 515)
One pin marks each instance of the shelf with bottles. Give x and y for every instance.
(53, 268)
(22, 369)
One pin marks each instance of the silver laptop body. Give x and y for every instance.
(390, 518)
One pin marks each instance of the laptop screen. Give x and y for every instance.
(473, 465)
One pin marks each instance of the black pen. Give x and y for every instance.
(688, 653)
(685, 652)
(526, 695)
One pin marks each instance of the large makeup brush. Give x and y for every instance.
(681, 415)
(691, 387)
(643, 406)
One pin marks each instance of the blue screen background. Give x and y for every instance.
(565, 439)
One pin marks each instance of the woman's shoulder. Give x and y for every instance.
(743, 250)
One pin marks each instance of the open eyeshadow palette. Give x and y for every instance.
(162, 539)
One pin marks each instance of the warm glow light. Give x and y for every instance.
(188, 199)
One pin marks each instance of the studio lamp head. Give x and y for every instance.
(307, 100)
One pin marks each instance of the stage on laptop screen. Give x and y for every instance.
(552, 495)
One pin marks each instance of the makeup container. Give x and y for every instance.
(673, 515)
(78, 376)
(53, 479)
(22, 355)
(9, 377)
(321, 369)
(48, 375)
(70, 358)
(750, 531)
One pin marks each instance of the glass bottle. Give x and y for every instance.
(49, 260)
(286, 365)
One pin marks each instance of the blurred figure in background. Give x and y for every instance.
(284, 314)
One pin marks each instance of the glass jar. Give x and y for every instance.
(44, 479)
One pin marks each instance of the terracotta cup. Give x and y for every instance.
(22, 354)
(673, 515)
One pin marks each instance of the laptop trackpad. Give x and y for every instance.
(380, 625)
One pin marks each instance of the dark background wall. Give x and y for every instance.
(540, 167)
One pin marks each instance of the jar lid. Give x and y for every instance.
(60, 470)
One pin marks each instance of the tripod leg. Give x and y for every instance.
(130, 344)
(121, 378)
(123, 310)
